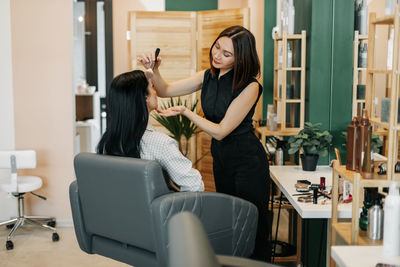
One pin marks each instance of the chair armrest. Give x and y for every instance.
(84, 240)
(230, 222)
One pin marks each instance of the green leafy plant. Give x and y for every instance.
(312, 140)
(376, 142)
(179, 125)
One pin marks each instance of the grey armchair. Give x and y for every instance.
(121, 208)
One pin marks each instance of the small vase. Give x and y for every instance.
(309, 162)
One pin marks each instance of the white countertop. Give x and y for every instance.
(365, 256)
(285, 177)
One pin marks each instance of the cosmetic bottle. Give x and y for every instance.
(291, 14)
(364, 146)
(370, 194)
(390, 50)
(352, 136)
(375, 220)
(279, 153)
(391, 224)
(289, 56)
(362, 18)
(362, 56)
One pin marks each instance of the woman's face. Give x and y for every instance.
(222, 54)
(151, 98)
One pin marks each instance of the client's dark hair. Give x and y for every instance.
(127, 115)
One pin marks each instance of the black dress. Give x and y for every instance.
(240, 163)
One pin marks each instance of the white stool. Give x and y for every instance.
(18, 186)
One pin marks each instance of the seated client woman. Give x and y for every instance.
(130, 100)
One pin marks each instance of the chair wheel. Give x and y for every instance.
(51, 223)
(10, 226)
(55, 237)
(9, 245)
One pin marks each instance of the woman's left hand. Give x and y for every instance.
(172, 111)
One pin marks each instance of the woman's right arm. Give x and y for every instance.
(182, 87)
(164, 89)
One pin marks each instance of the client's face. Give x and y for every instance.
(151, 99)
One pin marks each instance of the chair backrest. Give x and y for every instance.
(25, 159)
(116, 195)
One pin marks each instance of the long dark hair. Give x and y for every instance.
(247, 64)
(128, 115)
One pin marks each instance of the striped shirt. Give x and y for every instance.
(163, 149)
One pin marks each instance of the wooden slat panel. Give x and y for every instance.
(210, 24)
(174, 33)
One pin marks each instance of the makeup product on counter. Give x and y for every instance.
(315, 195)
(391, 224)
(322, 183)
(307, 199)
(351, 146)
(302, 187)
(304, 182)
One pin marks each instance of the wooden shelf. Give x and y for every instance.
(288, 37)
(294, 69)
(379, 71)
(288, 132)
(289, 69)
(293, 100)
(379, 122)
(286, 109)
(389, 19)
(343, 229)
(350, 231)
(376, 180)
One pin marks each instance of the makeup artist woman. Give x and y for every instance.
(229, 94)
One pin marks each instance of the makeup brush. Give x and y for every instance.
(156, 55)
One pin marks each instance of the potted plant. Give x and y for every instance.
(313, 142)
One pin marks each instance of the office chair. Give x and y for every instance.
(121, 207)
(189, 246)
(18, 186)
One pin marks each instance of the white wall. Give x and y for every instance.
(8, 205)
(42, 44)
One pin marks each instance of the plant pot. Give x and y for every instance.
(309, 162)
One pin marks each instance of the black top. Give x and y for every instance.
(217, 95)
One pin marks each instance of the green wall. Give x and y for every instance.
(190, 5)
(268, 65)
(329, 26)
